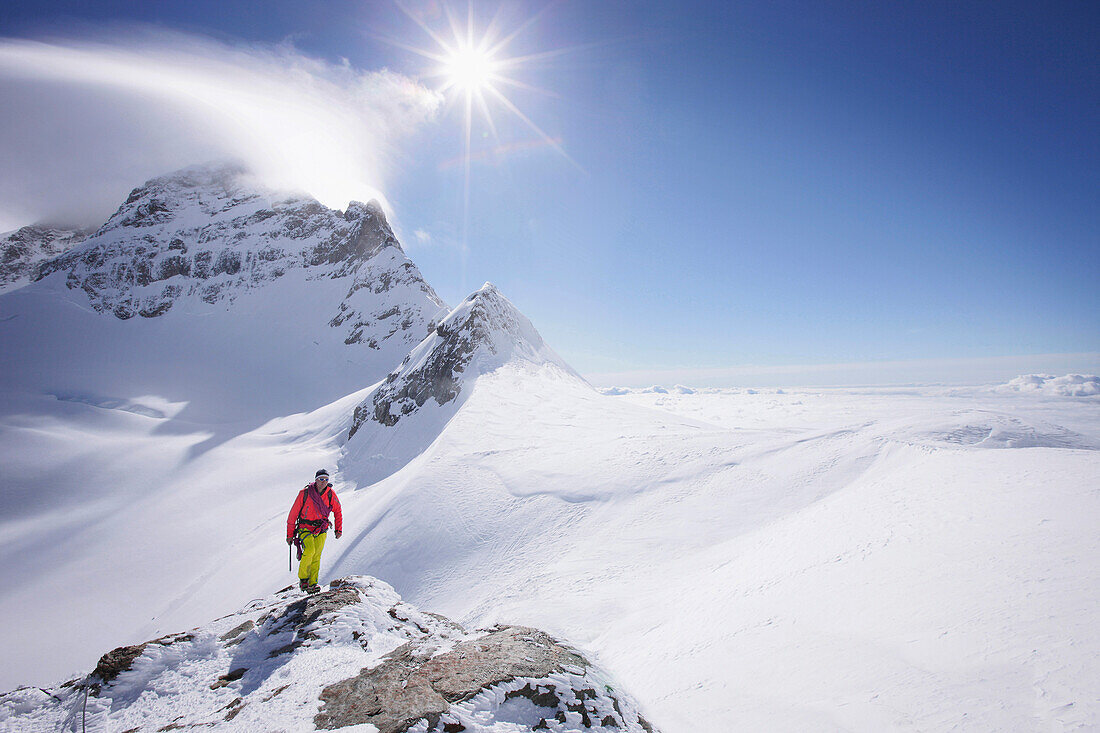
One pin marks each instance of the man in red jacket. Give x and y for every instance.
(307, 524)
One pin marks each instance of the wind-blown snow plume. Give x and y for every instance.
(148, 101)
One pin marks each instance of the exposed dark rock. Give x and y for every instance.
(228, 262)
(117, 661)
(203, 265)
(152, 311)
(240, 629)
(285, 649)
(172, 266)
(231, 676)
(410, 685)
(212, 292)
(307, 610)
(547, 698)
(23, 251)
(486, 321)
(277, 691)
(235, 707)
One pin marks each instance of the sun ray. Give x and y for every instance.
(544, 55)
(488, 38)
(437, 57)
(484, 107)
(520, 29)
(456, 29)
(469, 23)
(470, 66)
(424, 27)
(516, 111)
(526, 87)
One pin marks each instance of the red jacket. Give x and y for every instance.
(307, 509)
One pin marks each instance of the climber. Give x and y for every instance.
(307, 524)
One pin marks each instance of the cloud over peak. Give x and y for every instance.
(86, 120)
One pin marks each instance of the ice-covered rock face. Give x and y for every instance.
(24, 249)
(210, 233)
(353, 654)
(482, 333)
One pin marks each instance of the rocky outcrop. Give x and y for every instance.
(415, 683)
(22, 251)
(354, 653)
(482, 333)
(210, 233)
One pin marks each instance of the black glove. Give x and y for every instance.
(290, 540)
(338, 533)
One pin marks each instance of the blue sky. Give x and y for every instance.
(750, 183)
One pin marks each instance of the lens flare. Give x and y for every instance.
(470, 69)
(474, 69)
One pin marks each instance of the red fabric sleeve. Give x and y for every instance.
(339, 514)
(292, 518)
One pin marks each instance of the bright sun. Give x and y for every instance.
(476, 71)
(470, 69)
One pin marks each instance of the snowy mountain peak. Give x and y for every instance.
(482, 333)
(208, 234)
(357, 210)
(353, 655)
(407, 411)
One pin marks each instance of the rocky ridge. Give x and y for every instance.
(353, 654)
(482, 333)
(208, 234)
(23, 250)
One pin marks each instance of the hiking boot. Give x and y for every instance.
(303, 584)
(313, 589)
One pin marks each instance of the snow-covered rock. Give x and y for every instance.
(249, 303)
(353, 655)
(208, 233)
(24, 249)
(407, 411)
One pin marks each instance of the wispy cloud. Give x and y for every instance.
(422, 236)
(85, 120)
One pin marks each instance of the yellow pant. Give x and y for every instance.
(310, 565)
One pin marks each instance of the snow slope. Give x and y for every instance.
(916, 559)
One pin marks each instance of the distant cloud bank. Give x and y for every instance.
(973, 371)
(86, 120)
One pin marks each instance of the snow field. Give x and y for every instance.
(844, 559)
(834, 559)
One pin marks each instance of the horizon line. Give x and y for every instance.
(953, 371)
